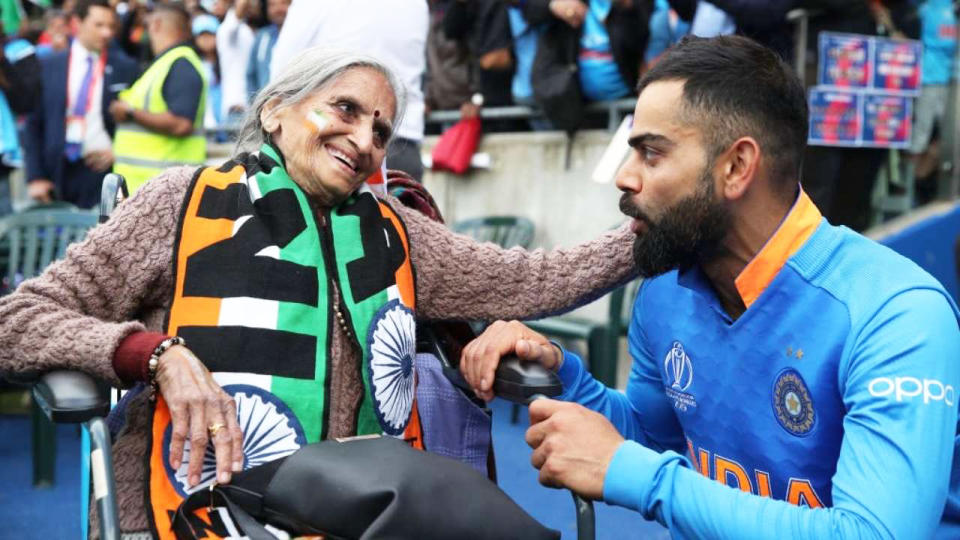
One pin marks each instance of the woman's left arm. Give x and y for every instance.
(459, 278)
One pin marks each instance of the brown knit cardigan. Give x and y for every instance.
(119, 281)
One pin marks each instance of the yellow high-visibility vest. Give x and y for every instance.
(139, 153)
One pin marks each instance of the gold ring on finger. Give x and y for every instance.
(214, 428)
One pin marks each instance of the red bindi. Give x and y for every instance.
(376, 114)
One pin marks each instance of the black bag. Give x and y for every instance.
(555, 76)
(365, 488)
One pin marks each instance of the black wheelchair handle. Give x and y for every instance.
(113, 192)
(519, 381)
(586, 518)
(515, 380)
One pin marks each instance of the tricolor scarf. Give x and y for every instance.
(257, 269)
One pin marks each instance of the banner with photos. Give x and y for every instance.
(865, 90)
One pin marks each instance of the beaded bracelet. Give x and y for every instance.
(154, 362)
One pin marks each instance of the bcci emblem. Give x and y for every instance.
(792, 403)
(678, 370)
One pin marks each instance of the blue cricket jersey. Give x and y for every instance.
(828, 409)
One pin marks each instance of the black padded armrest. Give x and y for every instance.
(514, 380)
(71, 397)
(520, 382)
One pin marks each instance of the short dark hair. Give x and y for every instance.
(82, 8)
(735, 87)
(177, 11)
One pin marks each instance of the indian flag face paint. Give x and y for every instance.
(317, 119)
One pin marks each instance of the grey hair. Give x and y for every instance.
(308, 72)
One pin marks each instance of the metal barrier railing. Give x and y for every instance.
(615, 110)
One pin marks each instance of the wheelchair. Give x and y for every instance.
(74, 397)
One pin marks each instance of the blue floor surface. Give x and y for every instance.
(54, 513)
(28, 512)
(553, 507)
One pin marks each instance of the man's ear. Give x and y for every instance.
(268, 115)
(739, 167)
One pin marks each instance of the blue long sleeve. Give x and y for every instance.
(643, 414)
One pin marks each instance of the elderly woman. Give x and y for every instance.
(269, 302)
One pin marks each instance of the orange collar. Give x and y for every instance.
(795, 230)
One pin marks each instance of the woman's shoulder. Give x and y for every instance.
(161, 195)
(171, 182)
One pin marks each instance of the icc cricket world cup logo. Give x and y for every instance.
(678, 367)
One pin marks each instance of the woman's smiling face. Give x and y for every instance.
(337, 137)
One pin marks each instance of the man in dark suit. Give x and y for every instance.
(68, 137)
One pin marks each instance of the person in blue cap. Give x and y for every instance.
(204, 29)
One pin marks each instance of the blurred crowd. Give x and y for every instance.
(553, 55)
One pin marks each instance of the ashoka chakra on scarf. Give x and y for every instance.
(270, 431)
(392, 342)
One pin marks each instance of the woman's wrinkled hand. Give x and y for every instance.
(202, 411)
(480, 358)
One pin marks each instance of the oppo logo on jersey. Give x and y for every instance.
(727, 471)
(907, 388)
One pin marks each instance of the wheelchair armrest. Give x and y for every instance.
(521, 382)
(514, 380)
(71, 397)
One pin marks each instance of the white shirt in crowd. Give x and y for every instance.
(95, 136)
(394, 31)
(234, 42)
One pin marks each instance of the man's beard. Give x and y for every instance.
(689, 232)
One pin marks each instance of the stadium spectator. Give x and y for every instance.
(205, 40)
(395, 31)
(234, 43)
(20, 83)
(68, 136)
(611, 36)
(839, 180)
(217, 8)
(484, 27)
(939, 35)
(56, 34)
(809, 368)
(765, 21)
(194, 8)
(157, 129)
(448, 82)
(896, 18)
(524, 51)
(133, 36)
(258, 67)
(587, 50)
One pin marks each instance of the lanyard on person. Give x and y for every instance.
(94, 79)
